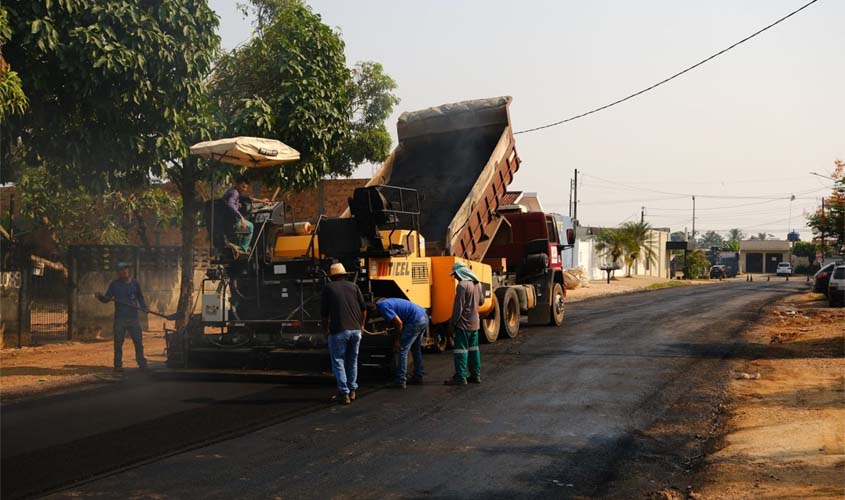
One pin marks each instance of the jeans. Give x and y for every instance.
(343, 350)
(466, 350)
(121, 326)
(411, 340)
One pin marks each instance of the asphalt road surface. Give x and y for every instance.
(558, 416)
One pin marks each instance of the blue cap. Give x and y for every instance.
(122, 265)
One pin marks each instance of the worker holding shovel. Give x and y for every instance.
(125, 291)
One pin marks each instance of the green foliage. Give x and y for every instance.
(297, 68)
(611, 244)
(831, 221)
(75, 215)
(697, 264)
(114, 85)
(711, 239)
(805, 249)
(12, 97)
(678, 236)
(731, 244)
(637, 242)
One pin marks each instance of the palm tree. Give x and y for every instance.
(762, 236)
(735, 235)
(637, 242)
(611, 243)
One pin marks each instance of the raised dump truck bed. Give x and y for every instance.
(461, 158)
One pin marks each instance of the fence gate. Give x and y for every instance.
(48, 300)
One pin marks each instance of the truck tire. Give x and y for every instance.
(557, 305)
(508, 311)
(490, 324)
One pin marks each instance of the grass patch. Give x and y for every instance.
(667, 284)
(815, 297)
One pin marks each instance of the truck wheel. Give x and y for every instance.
(557, 305)
(490, 324)
(509, 308)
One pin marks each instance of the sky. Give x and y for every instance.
(741, 133)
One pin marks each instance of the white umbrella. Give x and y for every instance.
(246, 151)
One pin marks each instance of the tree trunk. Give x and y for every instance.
(187, 188)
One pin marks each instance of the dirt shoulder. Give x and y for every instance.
(622, 284)
(785, 434)
(51, 368)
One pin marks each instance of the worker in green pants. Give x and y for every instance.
(465, 325)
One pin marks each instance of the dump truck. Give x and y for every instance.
(433, 202)
(461, 158)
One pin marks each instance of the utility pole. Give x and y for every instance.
(575, 198)
(570, 197)
(693, 221)
(642, 215)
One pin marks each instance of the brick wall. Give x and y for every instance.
(330, 198)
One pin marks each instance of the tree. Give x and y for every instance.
(12, 97)
(122, 83)
(804, 249)
(731, 244)
(611, 244)
(830, 222)
(637, 239)
(678, 236)
(47, 203)
(114, 79)
(333, 115)
(697, 264)
(711, 239)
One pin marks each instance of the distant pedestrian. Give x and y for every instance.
(410, 322)
(125, 291)
(465, 324)
(344, 313)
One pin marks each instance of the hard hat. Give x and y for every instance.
(337, 269)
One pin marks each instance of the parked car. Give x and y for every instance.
(836, 287)
(822, 276)
(718, 272)
(784, 269)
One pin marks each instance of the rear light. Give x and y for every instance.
(296, 323)
(822, 275)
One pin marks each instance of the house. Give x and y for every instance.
(762, 256)
(587, 257)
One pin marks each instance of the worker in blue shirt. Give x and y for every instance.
(410, 322)
(125, 291)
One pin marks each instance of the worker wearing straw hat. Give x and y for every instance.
(465, 324)
(343, 313)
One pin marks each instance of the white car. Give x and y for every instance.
(836, 287)
(784, 269)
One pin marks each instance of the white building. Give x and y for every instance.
(588, 258)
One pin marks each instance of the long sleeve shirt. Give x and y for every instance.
(126, 294)
(232, 198)
(468, 297)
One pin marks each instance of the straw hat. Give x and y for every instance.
(337, 269)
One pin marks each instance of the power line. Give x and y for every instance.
(628, 187)
(666, 80)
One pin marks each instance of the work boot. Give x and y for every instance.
(474, 380)
(343, 399)
(414, 381)
(455, 381)
(396, 385)
(353, 395)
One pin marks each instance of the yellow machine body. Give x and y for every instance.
(425, 281)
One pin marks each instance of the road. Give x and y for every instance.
(560, 414)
